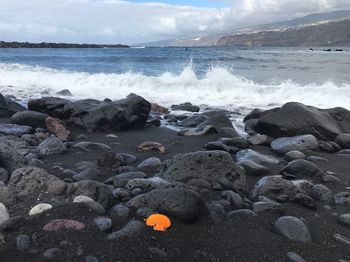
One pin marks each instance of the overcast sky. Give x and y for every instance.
(115, 21)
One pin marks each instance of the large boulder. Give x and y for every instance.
(128, 113)
(295, 119)
(9, 107)
(300, 143)
(29, 118)
(208, 165)
(184, 204)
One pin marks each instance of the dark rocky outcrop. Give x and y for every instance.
(295, 119)
(131, 112)
(8, 107)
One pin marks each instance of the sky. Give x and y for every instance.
(138, 21)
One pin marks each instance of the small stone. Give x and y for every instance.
(23, 242)
(91, 259)
(40, 208)
(144, 212)
(88, 174)
(344, 219)
(241, 212)
(51, 146)
(119, 212)
(53, 253)
(88, 146)
(294, 257)
(321, 193)
(271, 206)
(342, 239)
(132, 228)
(294, 155)
(103, 223)
(57, 187)
(4, 214)
(292, 228)
(90, 203)
(253, 169)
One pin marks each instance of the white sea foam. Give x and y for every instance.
(219, 87)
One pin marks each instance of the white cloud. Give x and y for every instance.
(112, 21)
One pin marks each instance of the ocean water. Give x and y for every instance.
(229, 78)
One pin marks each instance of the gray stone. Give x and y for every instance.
(91, 259)
(342, 198)
(4, 214)
(220, 146)
(185, 107)
(234, 198)
(274, 188)
(146, 183)
(260, 140)
(89, 203)
(301, 168)
(16, 130)
(299, 143)
(294, 257)
(150, 166)
(184, 204)
(23, 242)
(241, 212)
(53, 253)
(193, 120)
(4, 175)
(211, 166)
(51, 146)
(122, 179)
(144, 212)
(253, 169)
(119, 212)
(81, 166)
(29, 118)
(321, 193)
(344, 219)
(131, 229)
(343, 140)
(294, 155)
(103, 223)
(292, 228)
(249, 154)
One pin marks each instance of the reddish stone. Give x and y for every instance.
(55, 126)
(61, 224)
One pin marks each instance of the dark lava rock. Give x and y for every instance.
(301, 168)
(8, 107)
(29, 118)
(274, 188)
(13, 129)
(193, 120)
(295, 119)
(51, 146)
(292, 228)
(64, 92)
(185, 107)
(211, 165)
(131, 112)
(216, 119)
(343, 140)
(184, 204)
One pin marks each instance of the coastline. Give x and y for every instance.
(232, 216)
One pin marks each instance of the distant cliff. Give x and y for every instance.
(55, 45)
(324, 34)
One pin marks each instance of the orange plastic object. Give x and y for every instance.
(158, 222)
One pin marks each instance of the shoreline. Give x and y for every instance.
(223, 192)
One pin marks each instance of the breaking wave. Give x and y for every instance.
(218, 88)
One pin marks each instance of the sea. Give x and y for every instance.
(219, 77)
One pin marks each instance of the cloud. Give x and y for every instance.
(114, 21)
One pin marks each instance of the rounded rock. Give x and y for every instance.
(40, 208)
(292, 228)
(344, 219)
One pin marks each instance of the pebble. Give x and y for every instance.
(321, 193)
(292, 228)
(144, 212)
(344, 219)
(23, 242)
(52, 253)
(103, 223)
(90, 203)
(40, 208)
(119, 212)
(342, 239)
(294, 257)
(4, 214)
(130, 229)
(91, 259)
